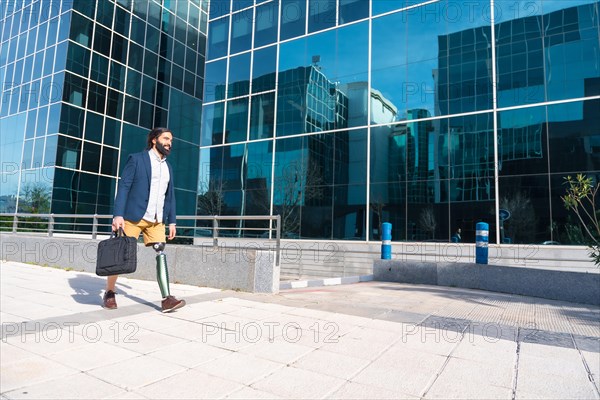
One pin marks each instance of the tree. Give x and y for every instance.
(521, 225)
(299, 184)
(428, 222)
(377, 206)
(212, 201)
(35, 199)
(581, 199)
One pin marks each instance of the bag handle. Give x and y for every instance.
(118, 233)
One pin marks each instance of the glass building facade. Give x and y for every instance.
(83, 82)
(339, 115)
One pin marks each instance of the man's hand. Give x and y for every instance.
(171, 231)
(118, 222)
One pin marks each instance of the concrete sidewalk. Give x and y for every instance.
(365, 340)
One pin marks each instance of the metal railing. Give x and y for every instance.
(190, 228)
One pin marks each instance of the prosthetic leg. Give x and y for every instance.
(169, 303)
(162, 274)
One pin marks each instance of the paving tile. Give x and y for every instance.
(296, 383)
(356, 348)
(79, 386)
(554, 387)
(31, 371)
(402, 376)
(332, 364)
(431, 340)
(462, 379)
(189, 354)
(10, 354)
(127, 395)
(248, 393)
(353, 390)
(191, 384)
(146, 342)
(479, 349)
(136, 372)
(240, 367)
(279, 351)
(552, 366)
(92, 356)
(593, 362)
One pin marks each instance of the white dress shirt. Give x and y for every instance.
(159, 182)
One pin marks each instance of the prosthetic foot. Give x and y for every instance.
(169, 303)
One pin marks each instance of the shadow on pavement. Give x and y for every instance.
(90, 289)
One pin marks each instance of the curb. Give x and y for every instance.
(346, 280)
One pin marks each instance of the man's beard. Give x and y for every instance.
(162, 149)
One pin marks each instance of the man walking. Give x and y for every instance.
(145, 202)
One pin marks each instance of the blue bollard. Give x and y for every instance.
(482, 231)
(386, 241)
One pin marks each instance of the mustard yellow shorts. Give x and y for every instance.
(154, 232)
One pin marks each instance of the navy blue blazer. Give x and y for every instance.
(134, 190)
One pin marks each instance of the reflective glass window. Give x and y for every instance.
(85, 7)
(522, 141)
(134, 83)
(218, 36)
(52, 32)
(68, 152)
(99, 71)
(27, 154)
(239, 76)
(104, 13)
(49, 61)
(102, 40)
(321, 14)
(50, 150)
(177, 77)
(42, 119)
(63, 26)
(148, 89)
(241, 31)
(75, 90)
(94, 127)
(236, 122)
(146, 115)
(213, 119)
(216, 75)
(122, 21)
(112, 132)
(323, 81)
(444, 64)
(54, 118)
(293, 19)
(574, 136)
(353, 10)
(265, 28)
(78, 59)
(184, 160)
(135, 57)
(119, 48)
(218, 8)
(152, 38)
(526, 198)
(81, 30)
(132, 110)
(117, 76)
(262, 116)
(263, 69)
(38, 152)
(138, 31)
(31, 125)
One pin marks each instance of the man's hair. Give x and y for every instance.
(154, 134)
